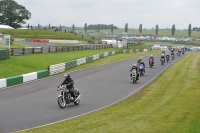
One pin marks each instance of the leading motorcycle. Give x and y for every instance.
(65, 97)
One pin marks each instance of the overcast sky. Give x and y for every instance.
(165, 13)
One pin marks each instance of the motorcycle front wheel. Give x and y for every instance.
(61, 102)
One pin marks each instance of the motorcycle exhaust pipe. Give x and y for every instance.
(79, 97)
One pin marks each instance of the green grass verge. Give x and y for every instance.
(48, 34)
(170, 104)
(17, 65)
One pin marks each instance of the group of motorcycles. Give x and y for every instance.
(141, 68)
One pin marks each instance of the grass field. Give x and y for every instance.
(169, 104)
(50, 34)
(17, 65)
(44, 34)
(178, 33)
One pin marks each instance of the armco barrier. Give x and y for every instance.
(101, 55)
(53, 69)
(14, 80)
(29, 76)
(3, 83)
(57, 68)
(105, 54)
(81, 61)
(89, 59)
(42, 74)
(70, 64)
(95, 57)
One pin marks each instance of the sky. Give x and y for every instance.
(149, 13)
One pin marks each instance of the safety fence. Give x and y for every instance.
(135, 50)
(52, 69)
(4, 54)
(58, 68)
(36, 50)
(5, 82)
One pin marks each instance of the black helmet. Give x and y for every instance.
(66, 75)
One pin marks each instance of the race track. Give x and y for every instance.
(35, 103)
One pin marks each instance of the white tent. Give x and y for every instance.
(5, 27)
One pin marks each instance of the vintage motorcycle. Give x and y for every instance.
(65, 97)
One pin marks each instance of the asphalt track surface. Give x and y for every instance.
(34, 104)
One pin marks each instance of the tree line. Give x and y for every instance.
(14, 15)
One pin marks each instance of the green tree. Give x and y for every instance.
(60, 28)
(98, 28)
(189, 30)
(126, 27)
(49, 26)
(38, 26)
(156, 30)
(13, 14)
(111, 28)
(140, 28)
(173, 29)
(73, 27)
(85, 27)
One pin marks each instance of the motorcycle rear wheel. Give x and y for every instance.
(61, 102)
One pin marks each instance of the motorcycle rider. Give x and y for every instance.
(151, 57)
(139, 60)
(163, 53)
(172, 52)
(136, 69)
(167, 56)
(163, 56)
(69, 82)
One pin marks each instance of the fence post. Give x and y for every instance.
(33, 50)
(41, 49)
(49, 49)
(56, 49)
(23, 51)
(62, 48)
(12, 51)
(73, 48)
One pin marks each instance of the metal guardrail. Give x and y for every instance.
(4, 54)
(25, 51)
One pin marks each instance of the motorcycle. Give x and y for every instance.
(167, 58)
(141, 69)
(65, 97)
(162, 61)
(151, 63)
(172, 57)
(179, 53)
(134, 76)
